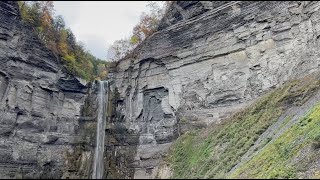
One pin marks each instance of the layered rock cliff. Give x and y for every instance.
(42, 134)
(207, 61)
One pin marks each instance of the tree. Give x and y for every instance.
(46, 8)
(58, 23)
(119, 49)
(71, 39)
(148, 23)
(62, 42)
(52, 31)
(146, 27)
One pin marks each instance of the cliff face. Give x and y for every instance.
(40, 107)
(206, 62)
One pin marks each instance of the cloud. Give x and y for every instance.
(70, 10)
(96, 46)
(99, 23)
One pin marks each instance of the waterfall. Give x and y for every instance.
(98, 166)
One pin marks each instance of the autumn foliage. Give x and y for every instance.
(52, 31)
(146, 27)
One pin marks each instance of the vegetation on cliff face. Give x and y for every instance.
(147, 25)
(276, 159)
(213, 152)
(53, 33)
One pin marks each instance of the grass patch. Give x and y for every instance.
(274, 161)
(212, 152)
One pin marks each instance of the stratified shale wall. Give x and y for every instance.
(44, 132)
(207, 61)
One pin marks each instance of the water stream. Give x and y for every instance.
(98, 166)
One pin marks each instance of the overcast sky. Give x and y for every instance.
(99, 23)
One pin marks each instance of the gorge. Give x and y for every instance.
(248, 68)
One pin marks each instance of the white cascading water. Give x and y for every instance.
(101, 125)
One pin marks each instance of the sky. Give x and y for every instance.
(97, 24)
